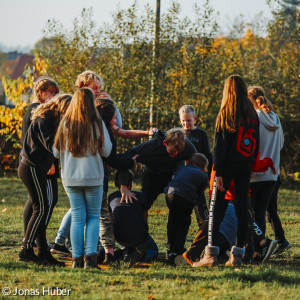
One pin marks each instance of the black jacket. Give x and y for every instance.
(118, 162)
(154, 156)
(241, 146)
(38, 143)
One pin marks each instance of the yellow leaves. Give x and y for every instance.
(201, 50)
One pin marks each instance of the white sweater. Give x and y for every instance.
(271, 142)
(84, 171)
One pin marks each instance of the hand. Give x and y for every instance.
(220, 184)
(51, 171)
(152, 131)
(127, 195)
(274, 169)
(104, 95)
(135, 157)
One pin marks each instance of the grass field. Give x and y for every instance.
(278, 279)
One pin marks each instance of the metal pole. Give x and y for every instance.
(155, 54)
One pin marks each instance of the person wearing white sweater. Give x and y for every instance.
(81, 140)
(262, 184)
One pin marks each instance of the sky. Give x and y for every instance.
(21, 21)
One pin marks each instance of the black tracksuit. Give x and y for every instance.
(36, 161)
(234, 154)
(160, 167)
(52, 188)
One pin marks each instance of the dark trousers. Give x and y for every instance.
(52, 196)
(240, 174)
(35, 180)
(154, 184)
(261, 193)
(179, 222)
(272, 214)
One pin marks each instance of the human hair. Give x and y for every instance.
(56, 107)
(257, 95)
(175, 137)
(107, 110)
(117, 178)
(43, 84)
(81, 126)
(198, 160)
(235, 105)
(187, 109)
(87, 77)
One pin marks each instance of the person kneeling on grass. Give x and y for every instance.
(130, 223)
(183, 192)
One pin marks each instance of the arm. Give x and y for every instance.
(119, 118)
(56, 152)
(107, 145)
(207, 153)
(220, 151)
(131, 134)
(263, 165)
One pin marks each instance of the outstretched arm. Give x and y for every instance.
(131, 134)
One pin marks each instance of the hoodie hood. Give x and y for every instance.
(269, 120)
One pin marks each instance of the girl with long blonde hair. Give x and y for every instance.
(80, 141)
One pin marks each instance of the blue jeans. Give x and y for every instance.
(64, 229)
(85, 208)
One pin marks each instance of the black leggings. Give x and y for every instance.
(240, 174)
(272, 214)
(52, 195)
(35, 180)
(261, 193)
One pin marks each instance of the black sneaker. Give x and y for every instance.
(171, 258)
(109, 258)
(134, 255)
(282, 247)
(118, 253)
(27, 255)
(58, 249)
(267, 250)
(100, 256)
(46, 259)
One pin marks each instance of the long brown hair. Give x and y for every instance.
(257, 96)
(56, 108)
(235, 105)
(80, 126)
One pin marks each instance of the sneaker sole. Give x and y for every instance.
(60, 252)
(271, 248)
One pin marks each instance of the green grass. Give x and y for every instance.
(279, 279)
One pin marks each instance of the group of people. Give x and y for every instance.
(78, 130)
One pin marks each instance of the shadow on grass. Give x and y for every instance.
(269, 274)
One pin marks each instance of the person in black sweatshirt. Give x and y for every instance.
(236, 148)
(161, 156)
(36, 162)
(44, 89)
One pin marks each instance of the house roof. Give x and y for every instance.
(21, 61)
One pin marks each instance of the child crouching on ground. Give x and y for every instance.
(130, 224)
(183, 192)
